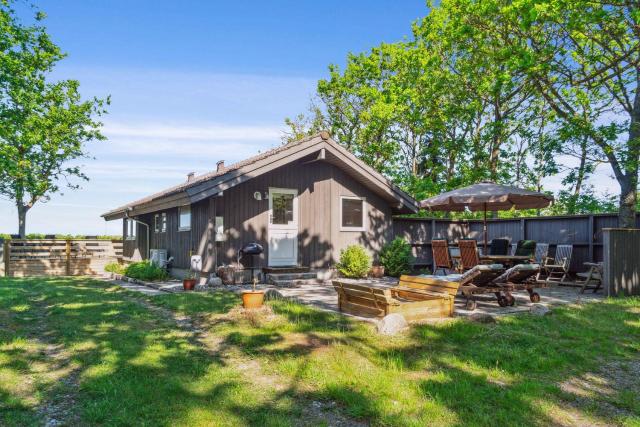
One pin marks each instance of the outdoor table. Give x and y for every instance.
(505, 259)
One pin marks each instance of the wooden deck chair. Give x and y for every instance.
(557, 268)
(517, 278)
(542, 252)
(441, 257)
(480, 275)
(592, 279)
(499, 247)
(469, 257)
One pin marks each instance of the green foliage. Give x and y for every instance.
(145, 270)
(45, 122)
(355, 262)
(114, 267)
(496, 90)
(396, 257)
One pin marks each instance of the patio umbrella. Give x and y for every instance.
(487, 196)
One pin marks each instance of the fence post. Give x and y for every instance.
(68, 257)
(7, 257)
(592, 235)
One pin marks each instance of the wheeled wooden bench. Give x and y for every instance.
(374, 299)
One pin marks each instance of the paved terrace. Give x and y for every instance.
(324, 297)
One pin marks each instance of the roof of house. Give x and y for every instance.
(215, 182)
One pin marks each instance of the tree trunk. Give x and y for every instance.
(628, 200)
(22, 219)
(629, 180)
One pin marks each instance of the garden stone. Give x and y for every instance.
(539, 310)
(391, 324)
(273, 294)
(215, 281)
(482, 318)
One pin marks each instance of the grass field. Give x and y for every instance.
(83, 352)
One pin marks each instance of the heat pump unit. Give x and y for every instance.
(159, 257)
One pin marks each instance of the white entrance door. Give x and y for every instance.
(283, 227)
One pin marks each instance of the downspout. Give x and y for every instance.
(126, 215)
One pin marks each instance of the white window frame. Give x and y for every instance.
(187, 227)
(364, 213)
(130, 229)
(156, 223)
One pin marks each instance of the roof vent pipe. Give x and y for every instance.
(220, 166)
(190, 176)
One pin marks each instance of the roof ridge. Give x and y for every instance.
(324, 135)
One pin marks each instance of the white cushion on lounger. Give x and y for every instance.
(518, 267)
(460, 277)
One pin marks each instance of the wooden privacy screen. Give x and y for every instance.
(58, 257)
(584, 232)
(621, 262)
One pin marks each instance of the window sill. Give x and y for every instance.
(358, 229)
(184, 229)
(129, 238)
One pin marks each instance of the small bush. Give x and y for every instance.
(354, 262)
(396, 257)
(114, 267)
(146, 271)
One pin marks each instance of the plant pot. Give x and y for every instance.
(189, 284)
(377, 271)
(252, 299)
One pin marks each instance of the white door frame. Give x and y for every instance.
(288, 231)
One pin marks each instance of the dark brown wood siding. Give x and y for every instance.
(319, 185)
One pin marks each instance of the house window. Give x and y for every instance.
(130, 229)
(352, 213)
(160, 222)
(184, 222)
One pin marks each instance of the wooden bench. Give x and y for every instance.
(433, 300)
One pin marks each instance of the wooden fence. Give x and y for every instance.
(50, 257)
(584, 232)
(621, 262)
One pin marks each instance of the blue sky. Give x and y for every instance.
(193, 83)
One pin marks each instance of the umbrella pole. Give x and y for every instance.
(484, 228)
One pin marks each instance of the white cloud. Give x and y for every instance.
(216, 132)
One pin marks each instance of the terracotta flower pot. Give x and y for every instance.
(188, 284)
(377, 271)
(252, 299)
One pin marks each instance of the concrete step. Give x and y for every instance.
(295, 283)
(291, 276)
(284, 270)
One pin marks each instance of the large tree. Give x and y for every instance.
(583, 58)
(44, 124)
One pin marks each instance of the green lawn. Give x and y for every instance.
(87, 353)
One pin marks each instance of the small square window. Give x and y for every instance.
(184, 220)
(352, 213)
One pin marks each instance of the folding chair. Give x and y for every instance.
(591, 278)
(499, 247)
(525, 248)
(557, 269)
(542, 252)
(469, 257)
(441, 257)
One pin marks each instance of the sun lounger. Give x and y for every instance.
(517, 278)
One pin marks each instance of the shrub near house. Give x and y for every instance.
(396, 257)
(354, 262)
